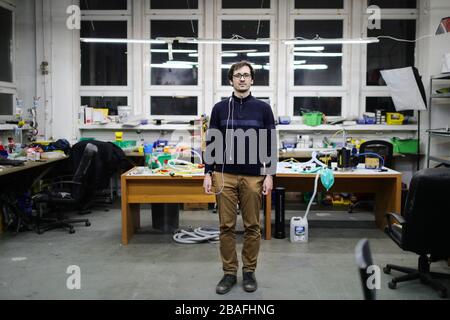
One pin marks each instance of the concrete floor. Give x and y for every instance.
(153, 266)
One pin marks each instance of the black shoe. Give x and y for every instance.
(225, 285)
(249, 283)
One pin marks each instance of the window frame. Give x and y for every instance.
(272, 55)
(173, 12)
(343, 95)
(146, 57)
(345, 11)
(128, 87)
(109, 12)
(383, 91)
(13, 83)
(264, 11)
(172, 93)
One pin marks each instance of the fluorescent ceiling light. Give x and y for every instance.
(223, 54)
(318, 54)
(311, 66)
(240, 51)
(255, 66)
(258, 54)
(330, 41)
(319, 48)
(171, 66)
(115, 40)
(173, 50)
(299, 61)
(225, 41)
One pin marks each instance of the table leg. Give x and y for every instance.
(268, 217)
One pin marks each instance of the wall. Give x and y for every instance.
(430, 63)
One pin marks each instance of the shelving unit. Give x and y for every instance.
(444, 78)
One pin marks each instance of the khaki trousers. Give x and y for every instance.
(246, 191)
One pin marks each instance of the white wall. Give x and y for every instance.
(430, 63)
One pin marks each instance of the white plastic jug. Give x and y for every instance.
(299, 229)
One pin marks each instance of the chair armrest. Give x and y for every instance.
(61, 183)
(396, 217)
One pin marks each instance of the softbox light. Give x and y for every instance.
(406, 88)
(444, 26)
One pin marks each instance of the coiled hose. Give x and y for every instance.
(198, 235)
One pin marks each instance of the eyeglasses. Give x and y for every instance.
(240, 75)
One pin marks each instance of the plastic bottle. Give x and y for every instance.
(299, 229)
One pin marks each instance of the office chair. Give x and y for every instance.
(384, 149)
(423, 228)
(60, 194)
(363, 258)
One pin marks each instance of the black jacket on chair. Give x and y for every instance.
(108, 160)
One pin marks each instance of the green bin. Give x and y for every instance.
(312, 118)
(405, 145)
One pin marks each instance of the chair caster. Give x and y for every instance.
(392, 285)
(442, 294)
(87, 224)
(72, 230)
(39, 232)
(387, 270)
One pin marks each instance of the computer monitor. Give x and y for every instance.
(6, 106)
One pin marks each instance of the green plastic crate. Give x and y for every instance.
(125, 143)
(405, 145)
(312, 118)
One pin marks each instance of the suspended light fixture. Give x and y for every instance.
(330, 41)
(116, 40)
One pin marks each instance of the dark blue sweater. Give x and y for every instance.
(246, 114)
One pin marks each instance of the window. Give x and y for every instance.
(110, 103)
(394, 4)
(182, 69)
(322, 66)
(167, 106)
(330, 106)
(6, 104)
(6, 45)
(257, 55)
(103, 5)
(174, 4)
(319, 4)
(249, 4)
(103, 64)
(388, 53)
(383, 103)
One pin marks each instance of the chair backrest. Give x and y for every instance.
(81, 175)
(363, 258)
(381, 147)
(427, 213)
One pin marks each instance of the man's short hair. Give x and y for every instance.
(239, 65)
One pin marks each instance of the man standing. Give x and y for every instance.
(239, 175)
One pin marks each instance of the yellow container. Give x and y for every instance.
(394, 118)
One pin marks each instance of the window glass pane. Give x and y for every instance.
(394, 4)
(169, 106)
(103, 64)
(319, 4)
(183, 68)
(388, 53)
(383, 103)
(174, 4)
(318, 65)
(6, 65)
(103, 5)
(110, 103)
(330, 106)
(238, 4)
(6, 104)
(257, 55)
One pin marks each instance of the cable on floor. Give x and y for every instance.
(198, 235)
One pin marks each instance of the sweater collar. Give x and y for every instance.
(242, 100)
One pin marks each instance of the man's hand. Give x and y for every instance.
(267, 185)
(207, 184)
